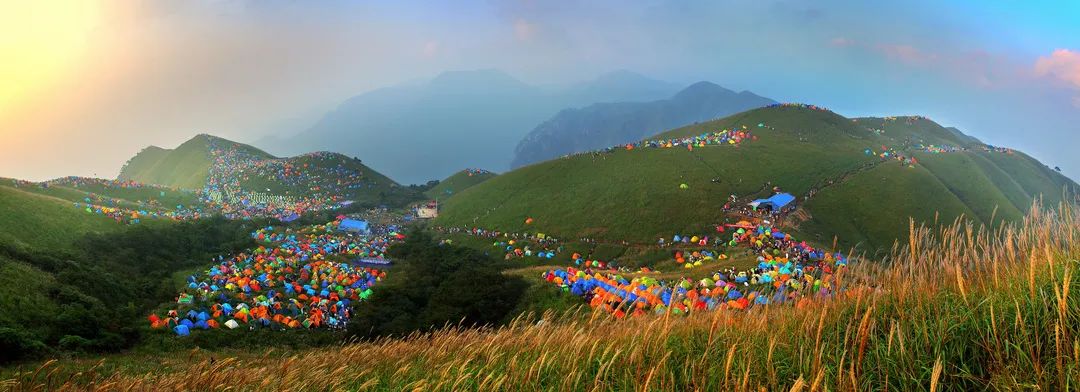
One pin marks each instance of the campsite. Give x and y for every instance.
(314, 266)
(539, 196)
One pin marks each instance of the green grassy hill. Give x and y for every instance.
(458, 182)
(45, 222)
(636, 195)
(37, 223)
(314, 175)
(915, 130)
(186, 166)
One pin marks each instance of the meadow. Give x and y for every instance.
(955, 308)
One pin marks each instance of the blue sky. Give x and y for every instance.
(156, 72)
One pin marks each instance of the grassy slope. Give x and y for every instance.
(24, 294)
(127, 197)
(907, 325)
(1033, 176)
(970, 183)
(635, 195)
(44, 222)
(872, 209)
(186, 166)
(456, 183)
(378, 182)
(919, 130)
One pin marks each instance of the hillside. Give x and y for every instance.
(940, 314)
(32, 220)
(186, 166)
(454, 120)
(242, 181)
(458, 182)
(607, 124)
(863, 198)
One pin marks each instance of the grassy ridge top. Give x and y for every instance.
(186, 166)
(318, 174)
(636, 195)
(458, 182)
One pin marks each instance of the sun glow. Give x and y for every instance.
(40, 43)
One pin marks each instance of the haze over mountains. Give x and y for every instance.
(607, 124)
(847, 184)
(428, 130)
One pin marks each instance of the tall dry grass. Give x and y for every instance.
(955, 308)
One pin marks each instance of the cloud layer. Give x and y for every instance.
(158, 72)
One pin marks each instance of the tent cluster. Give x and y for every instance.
(77, 182)
(787, 272)
(894, 154)
(134, 216)
(798, 105)
(476, 172)
(515, 245)
(932, 149)
(294, 279)
(527, 247)
(122, 211)
(1004, 150)
(907, 119)
(686, 240)
(23, 183)
(594, 264)
(697, 258)
(316, 181)
(729, 137)
(732, 137)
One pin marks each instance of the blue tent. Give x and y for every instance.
(353, 225)
(776, 202)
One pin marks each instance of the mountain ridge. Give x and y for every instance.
(483, 113)
(609, 123)
(636, 195)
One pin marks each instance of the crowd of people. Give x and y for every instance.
(306, 278)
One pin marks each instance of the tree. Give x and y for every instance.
(433, 285)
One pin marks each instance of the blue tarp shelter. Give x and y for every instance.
(354, 226)
(776, 202)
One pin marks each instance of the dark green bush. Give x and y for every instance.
(433, 285)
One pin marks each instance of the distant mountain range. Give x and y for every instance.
(606, 124)
(429, 130)
(847, 186)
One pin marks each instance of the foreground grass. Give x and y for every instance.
(953, 309)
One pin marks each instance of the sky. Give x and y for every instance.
(87, 84)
